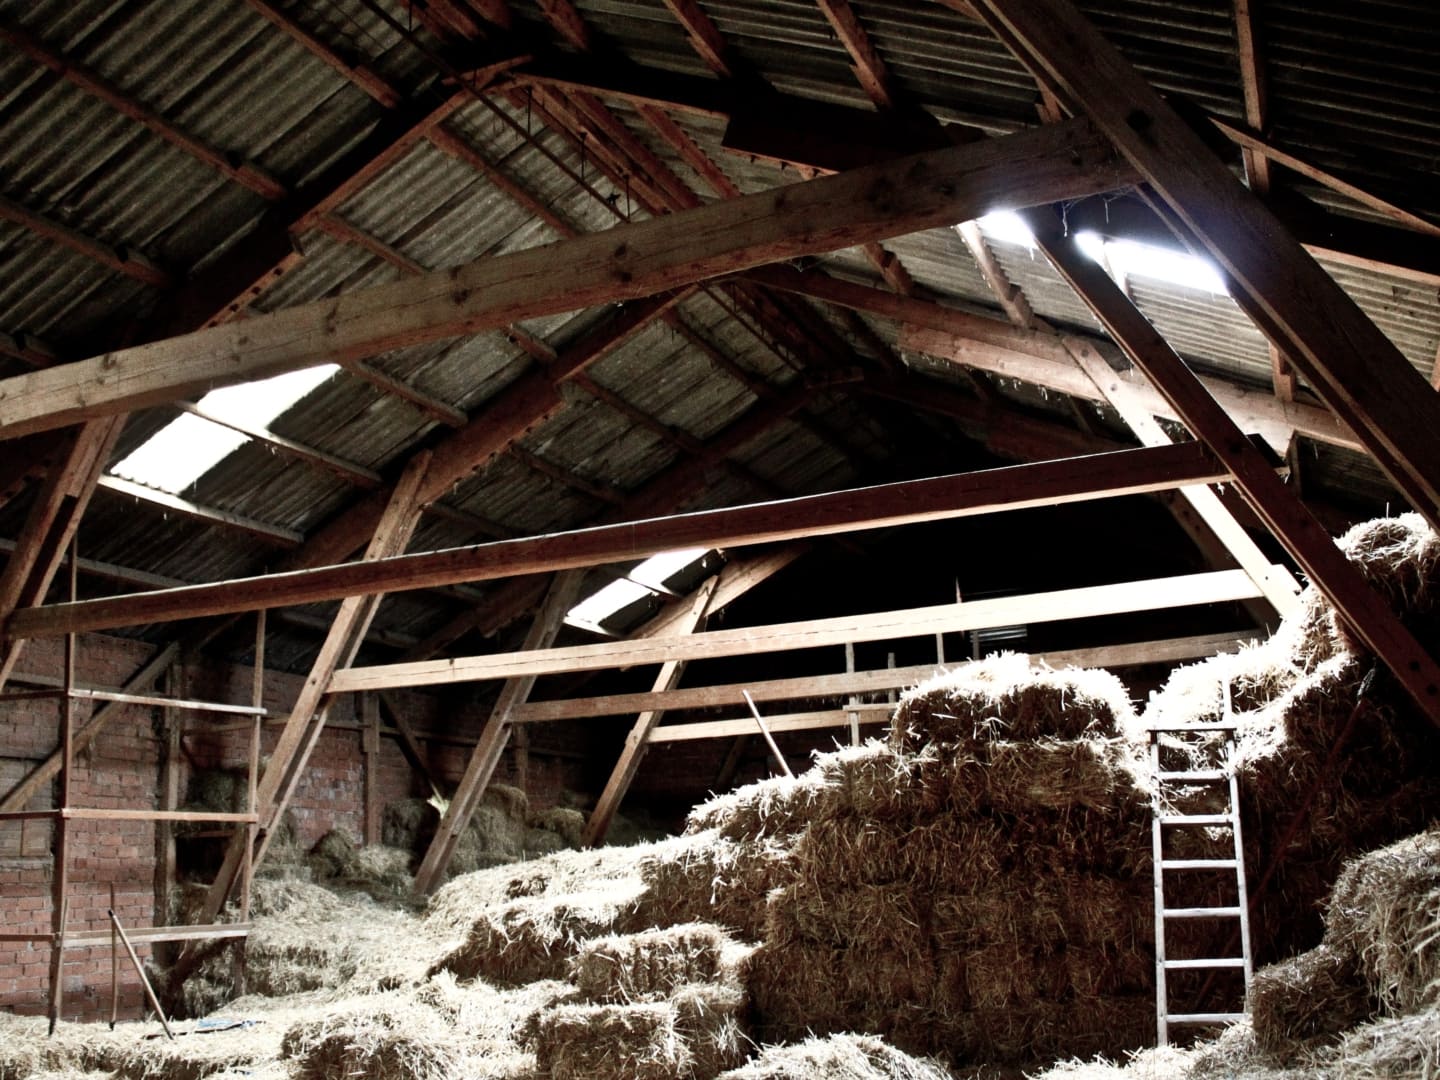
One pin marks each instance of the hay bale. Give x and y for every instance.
(1001, 697)
(776, 808)
(611, 1042)
(1385, 911)
(839, 1057)
(1318, 994)
(563, 821)
(217, 791)
(1400, 558)
(655, 963)
(408, 824)
(706, 878)
(1402, 1046)
(534, 938)
(877, 782)
(713, 1020)
(542, 842)
(387, 1038)
(333, 855)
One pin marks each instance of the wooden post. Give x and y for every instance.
(520, 742)
(114, 966)
(140, 970)
(486, 755)
(60, 873)
(769, 739)
(165, 854)
(370, 753)
(633, 752)
(854, 698)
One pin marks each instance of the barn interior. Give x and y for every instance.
(719, 538)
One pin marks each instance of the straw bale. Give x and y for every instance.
(838, 1057)
(219, 791)
(713, 1019)
(1385, 911)
(1403, 1046)
(1317, 994)
(381, 871)
(1059, 774)
(563, 821)
(333, 855)
(611, 1042)
(707, 878)
(654, 963)
(534, 938)
(388, 1037)
(1002, 697)
(408, 824)
(773, 809)
(1400, 558)
(879, 782)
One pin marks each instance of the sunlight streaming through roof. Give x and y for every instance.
(650, 577)
(188, 447)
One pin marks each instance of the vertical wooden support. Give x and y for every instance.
(165, 855)
(252, 782)
(307, 718)
(486, 755)
(854, 698)
(60, 872)
(1360, 606)
(114, 965)
(1354, 367)
(633, 752)
(520, 743)
(370, 755)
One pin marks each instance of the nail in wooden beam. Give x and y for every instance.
(486, 756)
(639, 737)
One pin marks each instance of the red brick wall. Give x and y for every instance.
(123, 768)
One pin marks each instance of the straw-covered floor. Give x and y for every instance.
(974, 890)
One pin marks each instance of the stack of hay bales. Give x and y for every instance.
(1308, 806)
(383, 872)
(839, 1057)
(977, 888)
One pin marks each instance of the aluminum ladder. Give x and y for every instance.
(1167, 818)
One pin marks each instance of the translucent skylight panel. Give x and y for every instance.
(188, 447)
(619, 594)
(657, 570)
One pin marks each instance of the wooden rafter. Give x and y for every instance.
(246, 174)
(628, 261)
(1009, 295)
(869, 69)
(704, 38)
(1254, 89)
(116, 257)
(210, 515)
(1352, 366)
(907, 502)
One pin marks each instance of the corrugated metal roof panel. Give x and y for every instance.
(1206, 329)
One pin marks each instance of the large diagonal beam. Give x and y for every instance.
(307, 716)
(626, 262)
(1124, 472)
(1361, 606)
(486, 756)
(1354, 367)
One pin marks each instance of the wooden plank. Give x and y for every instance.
(486, 756)
(867, 65)
(122, 260)
(1360, 606)
(801, 721)
(272, 534)
(704, 38)
(89, 939)
(1254, 88)
(91, 813)
(370, 754)
(638, 737)
(1009, 295)
(1123, 472)
(628, 261)
(1214, 587)
(1169, 650)
(1354, 368)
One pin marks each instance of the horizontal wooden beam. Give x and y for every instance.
(1123, 472)
(803, 721)
(211, 515)
(1218, 586)
(90, 939)
(1171, 650)
(633, 260)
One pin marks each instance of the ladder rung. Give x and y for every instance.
(1208, 962)
(1218, 725)
(1204, 1018)
(1198, 864)
(1194, 775)
(1201, 912)
(1197, 819)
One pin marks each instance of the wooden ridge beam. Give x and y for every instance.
(880, 680)
(1124, 472)
(1353, 367)
(628, 261)
(1220, 586)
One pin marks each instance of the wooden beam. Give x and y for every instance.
(869, 69)
(308, 714)
(175, 504)
(349, 471)
(1124, 472)
(117, 257)
(638, 737)
(1168, 651)
(1354, 368)
(1254, 89)
(704, 38)
(486, 756)
(1359, 605)
(814, 720)
(627, 261)
(1219, 586)
(1009, 295)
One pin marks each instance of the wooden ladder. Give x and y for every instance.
(1165, 819)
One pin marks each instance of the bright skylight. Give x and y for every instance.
(647, 579)
(188, 447)
(1007, 226)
